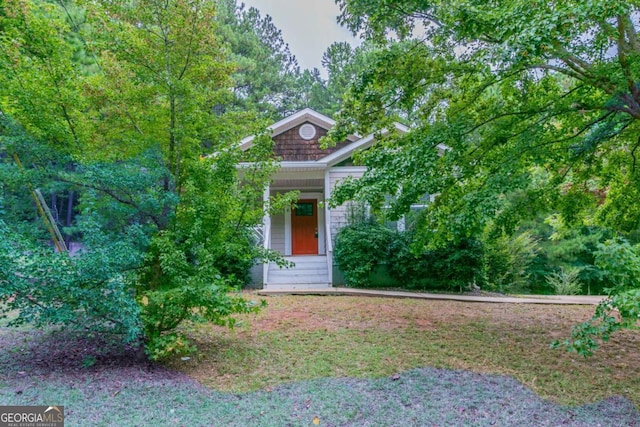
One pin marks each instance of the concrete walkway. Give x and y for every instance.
(518, 299)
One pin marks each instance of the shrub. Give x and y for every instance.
(366, 243)
(359, 248)
(620, 262)
(566, 281)
(452, 267)
(508, 260)
(89, 293)
(193, 268)
(461, 264)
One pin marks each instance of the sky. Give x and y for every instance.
(308, 26)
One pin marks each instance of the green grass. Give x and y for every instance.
(303, 338)
(417, 397)
(348, 361)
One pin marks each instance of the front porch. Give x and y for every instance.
(302, 233)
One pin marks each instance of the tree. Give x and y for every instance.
(136, 124)
(266, 71)
(519, 93)
(342, 64)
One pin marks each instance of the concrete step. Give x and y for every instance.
(296, 286)
(309, 268)
(309, 272)
(293, 279)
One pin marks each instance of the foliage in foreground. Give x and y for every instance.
(118, 102)
(621, 263)
(502, 98)
(90, 292)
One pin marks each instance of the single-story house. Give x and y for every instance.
(305, 234)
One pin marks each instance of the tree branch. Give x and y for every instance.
(111, 193)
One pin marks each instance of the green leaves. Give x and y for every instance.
(90, 292)
(359, 248)
(38, 79)
(620, 263)
(120, 102)
(511, 89)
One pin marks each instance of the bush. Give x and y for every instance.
(508, 260)
(360, 247)
(154, 257)
(195, 266)
(452, 267)
(461, 264)
(566, 281)
(89, 293)
(620, 263)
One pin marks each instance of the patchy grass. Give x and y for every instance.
(304, 338)
(293, 351)
(421, 397)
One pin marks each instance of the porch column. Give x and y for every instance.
(266, 231)
(328, 244)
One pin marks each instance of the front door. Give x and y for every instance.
(304, 227)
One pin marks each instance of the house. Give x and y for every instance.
(305, 234)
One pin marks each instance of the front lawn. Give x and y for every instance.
(339, 361)
(299, 338)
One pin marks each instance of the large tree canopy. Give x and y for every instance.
(535, 99)
(120, 101)
(507, 87)
(265, 70)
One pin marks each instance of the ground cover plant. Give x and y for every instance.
(345, 360)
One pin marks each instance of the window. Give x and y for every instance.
(304, 209)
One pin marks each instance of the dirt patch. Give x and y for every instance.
(28, 356)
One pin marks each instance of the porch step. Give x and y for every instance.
(296, 287)
(309, 272)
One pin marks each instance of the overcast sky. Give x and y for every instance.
(308, 26)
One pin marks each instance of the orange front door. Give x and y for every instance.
(304, 228)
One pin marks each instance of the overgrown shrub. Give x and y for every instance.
(363, 245)
(153, 258)
(460, 265)
(195, 266)
(453, 267)
(91, 292)
(359, 248)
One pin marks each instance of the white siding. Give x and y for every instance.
(277, 232)
(339, 213)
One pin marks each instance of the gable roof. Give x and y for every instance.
(363, 143)
(298, 118)
(318, 119)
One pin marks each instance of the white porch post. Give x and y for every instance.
(287, 231)
(328, 244)
(266, 231)
(401, 223)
